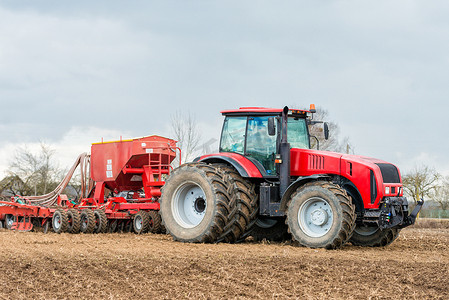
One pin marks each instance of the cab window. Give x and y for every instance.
(233, 135)
(259, 145)
(297, 133)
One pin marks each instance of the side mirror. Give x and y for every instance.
(326, 131)
(271, 127)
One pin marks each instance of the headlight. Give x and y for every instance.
(387, 190)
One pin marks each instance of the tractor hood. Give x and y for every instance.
(375, 178)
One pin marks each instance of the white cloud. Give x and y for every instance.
(76, 141)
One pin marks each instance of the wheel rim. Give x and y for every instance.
(9, 221)
(189, 205)
(56, 221)
(315, 217)
(365, 230)
(266, 223)
(138, 222)
(83, 220)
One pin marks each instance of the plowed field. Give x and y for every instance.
(129, 266)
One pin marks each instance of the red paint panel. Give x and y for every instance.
(245, 163)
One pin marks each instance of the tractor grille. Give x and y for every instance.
(316, 162)
(390, 173)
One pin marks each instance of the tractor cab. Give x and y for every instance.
(256, 133)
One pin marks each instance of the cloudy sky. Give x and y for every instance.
(72, 72)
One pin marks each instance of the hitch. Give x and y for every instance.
(394, 213)
(412, 217)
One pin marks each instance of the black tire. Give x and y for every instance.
(88, 223)
(270, 229)
(74, 223)
(373, 237)
(155, 222)
(59, 221)
(141, 222)
(219, 217)
(321, 215)
(244, 193)
(9, 221)
(113, 226)
(101, 221)
(46, 226)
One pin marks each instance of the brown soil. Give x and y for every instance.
(129, 266)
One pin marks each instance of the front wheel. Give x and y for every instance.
(321, 215)
(372, 236)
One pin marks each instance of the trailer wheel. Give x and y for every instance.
(155, 222)
(87, 221)
(321, 215)
(59, 221)
(112, 226)
(74, 223)
(370, 236)
(46, 226)
(270, 229)
(141, 222)
(200, 204)
(101, 221)
(9, 221)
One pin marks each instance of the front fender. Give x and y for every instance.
(295, 185)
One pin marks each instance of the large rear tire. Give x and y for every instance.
(321, 215)
(367, 236)
(60, 221)
(270, 229)
(199, 204)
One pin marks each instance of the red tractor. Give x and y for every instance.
(268, 183)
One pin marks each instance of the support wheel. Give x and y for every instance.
(101, 221)
(372, 236)
(270, 229)
(87, 221)
(46, 226)
(74, 223)
(321, 215)
(200, 204)
(141, 222)
(9, 221)
(155, 222)
(60, 221)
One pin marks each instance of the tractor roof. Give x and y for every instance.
(244, 111)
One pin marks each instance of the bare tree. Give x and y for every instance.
(441, 193)
(420, 182)
(185, 131)
(334, 143)
(38, 172)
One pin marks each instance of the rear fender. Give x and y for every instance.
(295, 185)
(244, 166)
